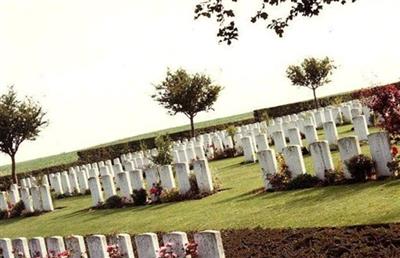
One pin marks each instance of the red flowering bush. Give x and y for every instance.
(166, 251)
(114, 251)
(385, 102)
(54, 254)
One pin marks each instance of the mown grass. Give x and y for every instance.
(237, 206)
(65, 158)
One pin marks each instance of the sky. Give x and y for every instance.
(93, 64)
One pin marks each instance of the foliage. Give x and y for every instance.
(225, 15)
(114, 251)
(163, 145)
(224, 154)
(303, 181)
(385, 102)
(231, 130)
(166, 251)
(114, 202)
(264, 116)
(19, 121)
(155, 193)
(139, 197)
(311, 73)
(13, 211)
(360, 167)
(394, 166)
(170, 195)
(55, 254)
(181, 92)
(333, 176)
(280, 180)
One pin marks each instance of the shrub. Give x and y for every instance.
(17, 209)
(114, 202)
(139, 197)
(360, 167)
(303, 181)
(170, 195)
(163, 145)
(333, 176)
(226, 153)
(280, 180)
(384, 101)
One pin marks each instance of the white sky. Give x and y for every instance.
(92, 63)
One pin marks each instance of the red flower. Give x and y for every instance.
(394, 151)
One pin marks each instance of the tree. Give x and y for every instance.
(311, 73)
(19, 121)
(385, 102)
(225, 15)
(181, 92)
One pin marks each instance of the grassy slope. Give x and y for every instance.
(235, 207)
(69, 157)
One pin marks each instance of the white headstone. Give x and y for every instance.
(294, 160)
(248, 149)
(147, 245)
(360, 127)
(95, 191)
(348, 148)
(322, 159)
(76, 246)
(45, 196)
(108, 186)
(97, 246)
(182, 175)
(379, 145)
(178, 241)
(167, 177)
(209, 244)
(203, 176)
(279, 140)
(6, 248)
(37, 247)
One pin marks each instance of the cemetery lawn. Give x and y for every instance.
(65, 158)
(239, 205)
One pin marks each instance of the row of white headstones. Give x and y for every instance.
(250, 138)
(257, 146)
(209, 245)
(130, 180)
(35, 199)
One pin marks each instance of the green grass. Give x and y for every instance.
(65, 158)
(237, 206)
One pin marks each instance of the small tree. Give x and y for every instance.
(311, 73)
(181, 92)
(19, 121)
(163, 145)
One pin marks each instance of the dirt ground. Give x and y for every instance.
(357, 241)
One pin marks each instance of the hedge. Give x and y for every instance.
(301, 106)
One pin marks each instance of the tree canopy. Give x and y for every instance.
(311, 73)
(225, 16)
(20, 120)
(181, 92)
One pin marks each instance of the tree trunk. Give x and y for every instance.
(316, 104)
(191, 126)
(13, 172)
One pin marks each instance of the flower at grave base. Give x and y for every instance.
(394, 151)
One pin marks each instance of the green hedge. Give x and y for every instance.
(113, 151)
(301, 106)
